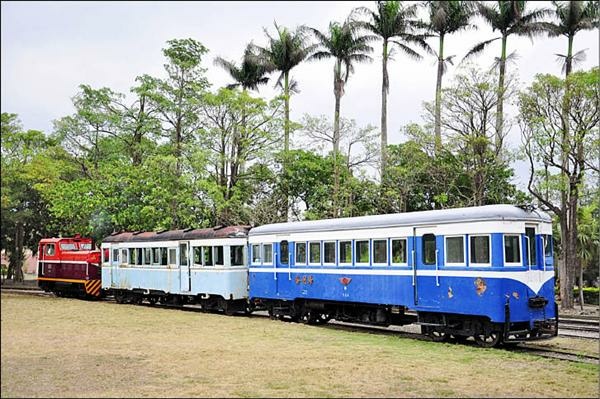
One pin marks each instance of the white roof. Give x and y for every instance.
(442, 216)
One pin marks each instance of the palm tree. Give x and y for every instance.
(396, 26)
(573, 16)
(282, 53)
(509, 18)
(445, 18)
(249, 75)
(344, 44)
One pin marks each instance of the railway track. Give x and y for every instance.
(571, 327)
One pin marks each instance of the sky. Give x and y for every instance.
(49, 48)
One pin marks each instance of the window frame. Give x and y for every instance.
(489, 264)
(232, 255)
(296, 243)
(262, 252)
(357, 254)
(339, 245)
(455, 264)
(169, 249)
(435, 253)
(310, 263)
(215, 249)
(115, 260)
(387, 258)
(255, 261)
(334, 253)
(520, 251)
(144, 252)
(405, 239)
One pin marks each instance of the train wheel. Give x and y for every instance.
(459, 339)
(438, 336)
(152, 300)
(119, 297)
(488, 341)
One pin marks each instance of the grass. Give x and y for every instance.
(55, 347)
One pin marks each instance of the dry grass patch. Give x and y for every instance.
(65, 347)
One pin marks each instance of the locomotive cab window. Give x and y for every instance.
(300, 253)
(362, 252)
(237, 255)
(480, 250)
(512, 250)
(49, 250)
(429, 249)
(399, 252)
(346, 252)
(380, 252)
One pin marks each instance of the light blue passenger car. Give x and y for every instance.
(202, 266)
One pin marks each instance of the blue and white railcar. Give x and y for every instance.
(202, 266)
(482, 271)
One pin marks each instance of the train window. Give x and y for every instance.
(49, 249)
(139, 256)
(124, 253)
(197, 253)
(530, 233)
(380, 252)
(256, 253)
(362, 252)
(132, 256)
(183, 254)
(172, 256)
(455, 251)
(237, 255)
(115, 257)
(155, 256)
(208, 256)
(163, 256)
(346, 252)
(219, 259)
(329, 252)
(429, 249)
(399, 251)
(147, 256)
(480, 250)
(512, 250)
(547, 245)
(314, 253)
(85, 246)
(300, 253)
(268, 254)
(70, 246)
(284, 252)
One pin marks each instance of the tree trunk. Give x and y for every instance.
(385, 85)
(15, 266)
(500, 110)
(337, 91)
(438, 98)
(569, 59)
(580, 283)
(286, 141)
(566, 283)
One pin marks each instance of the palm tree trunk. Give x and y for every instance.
(337, 91)
(385, 84)
(286, 94)
(569, 59)
(438, 97)
(564, 196)
(500, 110)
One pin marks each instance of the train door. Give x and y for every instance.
(184, 267)
(533, 260)
(426, 261)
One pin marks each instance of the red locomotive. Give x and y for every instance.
(69, 267)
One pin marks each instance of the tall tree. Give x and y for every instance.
(446, 18)
(568, 159)
(347, 46)
(283, 52)
(397, 26)
(572, 17)
(249, 75)
(509, 18)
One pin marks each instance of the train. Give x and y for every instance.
(485, 272)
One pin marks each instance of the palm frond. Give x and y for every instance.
(478, 48)
(407, 50)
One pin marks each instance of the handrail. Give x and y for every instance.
(414, 267)
(437, 269)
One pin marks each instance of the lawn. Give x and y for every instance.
(56, 347)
